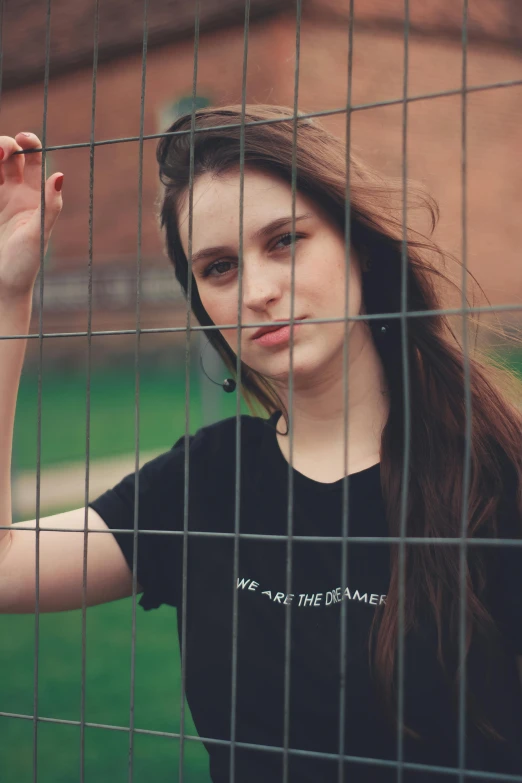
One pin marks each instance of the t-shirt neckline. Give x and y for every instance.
(274, 459)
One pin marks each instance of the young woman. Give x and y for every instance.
(301, 640)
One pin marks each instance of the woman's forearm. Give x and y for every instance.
(15, 316)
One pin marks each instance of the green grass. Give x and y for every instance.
(107, 697)
(112, 414)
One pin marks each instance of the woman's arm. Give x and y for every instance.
(60, 554)
(20, 234)
(61, 565)
(15, 315)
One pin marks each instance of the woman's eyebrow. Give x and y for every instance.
(278, 223)
(262, 232)
(209, 252)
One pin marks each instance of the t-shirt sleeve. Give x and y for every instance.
(160, 508)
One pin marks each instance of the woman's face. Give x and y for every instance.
(320, 273)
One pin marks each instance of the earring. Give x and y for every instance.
(228, 385)
(380, 331)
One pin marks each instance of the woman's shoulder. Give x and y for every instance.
(222, 436)
(210, 446)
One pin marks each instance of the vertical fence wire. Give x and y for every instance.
(343, 620)
(186, 462)
(39, 403)
(463, 570)
(407, 402)
(1, 48)
(137, 392)
(88, 391)
(237, 479)
(290, 408)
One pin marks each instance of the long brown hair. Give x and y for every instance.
(435, 359)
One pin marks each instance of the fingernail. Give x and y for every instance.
(2, 153)
(58, 183)
(24, 133)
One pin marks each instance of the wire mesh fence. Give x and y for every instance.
(400, 766)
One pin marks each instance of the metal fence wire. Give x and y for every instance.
(400, 765)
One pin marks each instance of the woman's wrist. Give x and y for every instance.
(18, 304)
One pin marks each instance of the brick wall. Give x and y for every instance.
(434, 146)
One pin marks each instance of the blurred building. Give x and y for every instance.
(435, 65)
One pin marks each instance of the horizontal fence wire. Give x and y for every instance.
(297, 752)
(303, 116)
(493, 542)
(218, 327)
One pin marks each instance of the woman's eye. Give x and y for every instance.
(217, 269)
(221, 268)
(286, 240)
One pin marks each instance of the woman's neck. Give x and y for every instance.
(324, 442)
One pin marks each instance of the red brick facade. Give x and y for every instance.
(494, 142)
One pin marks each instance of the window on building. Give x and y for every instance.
(171, 111)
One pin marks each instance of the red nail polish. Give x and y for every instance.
(58, 183)
(2, 153)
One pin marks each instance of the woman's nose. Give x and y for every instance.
(260, 286)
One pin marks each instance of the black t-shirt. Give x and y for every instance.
(317, 596)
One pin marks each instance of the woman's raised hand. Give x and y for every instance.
(20, 213)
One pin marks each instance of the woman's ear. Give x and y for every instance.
(361, 256)
(364, 260)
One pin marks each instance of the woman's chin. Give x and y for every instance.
(302, 373)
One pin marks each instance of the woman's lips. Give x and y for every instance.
(277, 336)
